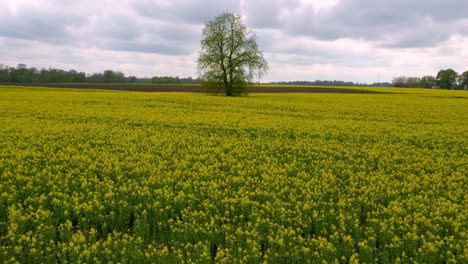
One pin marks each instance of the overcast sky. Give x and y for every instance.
(351, 40)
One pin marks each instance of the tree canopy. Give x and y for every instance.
(23, 74)
(229, 58)
(463, 80)
(447, 79)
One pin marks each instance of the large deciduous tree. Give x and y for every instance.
(229, 58)
(447, 79)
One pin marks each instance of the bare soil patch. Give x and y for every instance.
(189, 88)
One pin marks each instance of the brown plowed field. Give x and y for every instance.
(187, 88)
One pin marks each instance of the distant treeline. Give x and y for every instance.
(174, 80)
(332, 83)
(23, 74)
(445, 79)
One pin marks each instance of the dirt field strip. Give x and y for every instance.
(187, 88)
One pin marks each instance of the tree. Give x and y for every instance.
(4, 73)
(109, 76)
(463, 80)
(428, 81)
(413, 82)
(400, 81)
(447, 79)
(229, 58)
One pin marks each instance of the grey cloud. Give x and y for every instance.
(155, 37)
(117, 26)
(297, 55)
(291, 32)
(377, 19)
(183, 33)
(267, 13)
(147, 47)
(100, 26)
(462, 26)
(372, 20)
(287, 49)
(43, 25)
(423, 35)
(274, 45)
(188, 11)
(38, 54)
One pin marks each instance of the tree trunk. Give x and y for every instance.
(227, 85)
(230, 77)
(225, 79)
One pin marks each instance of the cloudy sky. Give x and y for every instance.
(352, 40)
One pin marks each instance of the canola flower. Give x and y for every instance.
(89, 176)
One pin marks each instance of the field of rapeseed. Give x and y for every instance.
(90, 176)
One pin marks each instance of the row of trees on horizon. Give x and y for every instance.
(445, 79)
(23, 74)
(332, 83)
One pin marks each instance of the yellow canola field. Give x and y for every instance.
(89, 176)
